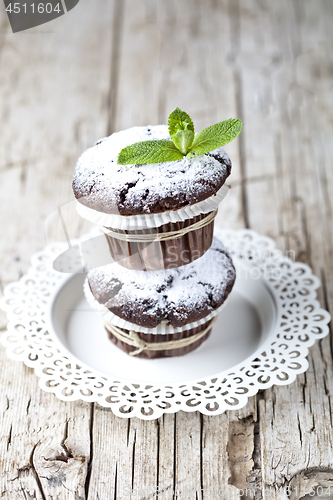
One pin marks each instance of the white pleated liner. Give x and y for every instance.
(145, 221)
(163, 328)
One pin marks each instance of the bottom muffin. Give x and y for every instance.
(162, 306)
(176, 344)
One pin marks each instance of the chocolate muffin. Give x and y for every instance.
(151, 199)
(184, 299)
(102, 185)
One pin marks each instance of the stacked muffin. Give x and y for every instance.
(169, 277)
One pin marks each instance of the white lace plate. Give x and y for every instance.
(261, 337)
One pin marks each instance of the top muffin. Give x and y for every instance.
(101, 184)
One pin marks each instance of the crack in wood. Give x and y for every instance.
(128, 429)
(304, 386)
(240, 450)
(115, 483)
(242, 150)
(299, 429)
(28, 406)
(158, 458)
(35, 473)
(174, 455)
(63, 457)
(114, 67)
(329, 401)
(9, 438)
(326, 305)
(304, 226)
(7, 404)
(201, 454)
(91, 450)
(133, 458)
(235, 39)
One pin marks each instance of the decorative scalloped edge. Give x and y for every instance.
(300, 322)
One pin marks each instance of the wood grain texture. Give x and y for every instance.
(287, 203)
(112, 64)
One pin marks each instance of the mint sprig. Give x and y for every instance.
(149, 152)
(183, 141)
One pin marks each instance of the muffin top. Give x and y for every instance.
(101, 184)
(180, 295)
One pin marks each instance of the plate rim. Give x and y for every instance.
(51, 252)
(61, 345)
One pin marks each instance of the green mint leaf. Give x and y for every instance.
(149, 152)
(179, 120)
(183, 140)
(215, 136)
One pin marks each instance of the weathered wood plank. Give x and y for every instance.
(55, 84)
(166, 450)
(287, 204)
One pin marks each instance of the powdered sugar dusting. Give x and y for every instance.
(103, 185)
(179, 295)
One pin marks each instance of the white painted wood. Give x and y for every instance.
(290, 140)
(55, 83)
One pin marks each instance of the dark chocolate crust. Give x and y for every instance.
(101, 184)
(179, 296)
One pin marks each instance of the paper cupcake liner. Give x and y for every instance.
(163, 328)
(145, 221)
(157, 255)
(165, 353)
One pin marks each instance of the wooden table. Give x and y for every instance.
(111, 64)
